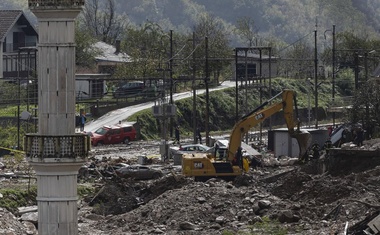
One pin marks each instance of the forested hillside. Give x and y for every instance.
(287, 20)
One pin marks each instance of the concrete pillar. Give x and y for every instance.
(56, 153)
(56, 71)
(57, 197)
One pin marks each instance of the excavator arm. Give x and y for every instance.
(260, 114)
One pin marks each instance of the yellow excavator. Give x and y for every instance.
(202, 165)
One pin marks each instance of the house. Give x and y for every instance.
(110, 57)
(93, 84)
(90, 86)
(253, 65)
(18, 40)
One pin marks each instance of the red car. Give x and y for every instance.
(120, 133)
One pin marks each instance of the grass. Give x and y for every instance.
(222, 103)
(265, 227)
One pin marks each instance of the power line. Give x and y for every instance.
(295, 42)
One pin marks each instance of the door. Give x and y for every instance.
(114, 136)
(18, 40)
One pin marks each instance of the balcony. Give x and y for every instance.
(57, 148)
(49, 4)
(15, 47)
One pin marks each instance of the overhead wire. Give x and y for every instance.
(294, 42)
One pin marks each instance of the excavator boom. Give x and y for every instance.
(260, 114)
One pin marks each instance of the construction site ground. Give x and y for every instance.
(279, 198)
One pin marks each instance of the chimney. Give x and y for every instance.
(117, 45)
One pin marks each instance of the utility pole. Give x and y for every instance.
(171, 79)
(333, 73)
(237, 87)
(261, 88)
(270, 82)
(316, 75)
(194, 95)
(207, 94)
(246, 90)
(356, 59)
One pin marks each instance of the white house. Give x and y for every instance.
(18, 40)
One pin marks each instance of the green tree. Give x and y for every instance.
(219, 51)
(345, 83)
(101, 20)
(366, 105)
(12, 93)
(247, 31)
(298, 61)
(148, 48)
(85, 53)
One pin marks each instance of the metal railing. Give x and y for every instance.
(15, 47)
(55, 3)
(57, 147)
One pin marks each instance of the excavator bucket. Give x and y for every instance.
(304, 139)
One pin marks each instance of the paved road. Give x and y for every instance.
(115, 116)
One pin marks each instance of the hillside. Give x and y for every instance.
(222, 104)
(287, 20)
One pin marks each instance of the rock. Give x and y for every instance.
(220, 220)
(255, 219)
(286, 216)
(158, 231)
(256, 209)
(186, 226)
(201, 200)
(215, 226)
(296, 218)
(26, 209)
(94, 217)
(296, 206)
(264, 204)
(246, 200)
(31, 217)
(30, 228)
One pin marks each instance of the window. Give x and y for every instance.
(116, 132)
(251, 71)
(128, 129)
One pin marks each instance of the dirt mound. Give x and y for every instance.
(304, 204)
(298, 186)
(121, 196)
(201, 206)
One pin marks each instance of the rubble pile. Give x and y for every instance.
(304, 204)
(10, 225)
(293, 199)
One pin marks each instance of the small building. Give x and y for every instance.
(18, 40)
(110, 57)
(252, 64)
(280, 142)
(90, 86)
